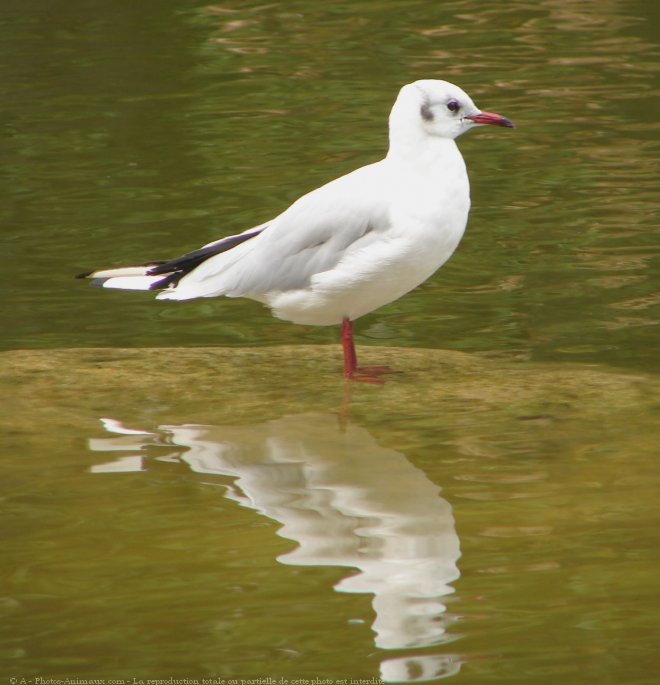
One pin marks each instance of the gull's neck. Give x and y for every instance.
(419, 150)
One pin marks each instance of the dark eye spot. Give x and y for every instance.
(453, 106)
(426, 112)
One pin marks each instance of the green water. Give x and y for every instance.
(488, 516)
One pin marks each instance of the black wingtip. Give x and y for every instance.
(87, 274)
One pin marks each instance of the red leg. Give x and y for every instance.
(350, 357)
(368, 374)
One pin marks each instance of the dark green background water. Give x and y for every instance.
(140, 130)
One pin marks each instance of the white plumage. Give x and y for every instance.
(354, 244)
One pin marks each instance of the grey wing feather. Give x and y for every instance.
(310, 237)
(292, 262)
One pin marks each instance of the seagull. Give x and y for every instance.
(351, 246)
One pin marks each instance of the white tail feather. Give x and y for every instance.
(129, 282)
(121, 271)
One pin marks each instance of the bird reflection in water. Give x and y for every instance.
(345, 501)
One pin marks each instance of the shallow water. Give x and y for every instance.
(489, 515)
(475, 517)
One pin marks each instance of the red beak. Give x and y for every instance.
(491, 119)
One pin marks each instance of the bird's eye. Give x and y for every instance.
(453, 106)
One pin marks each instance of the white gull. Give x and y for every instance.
(352, 245)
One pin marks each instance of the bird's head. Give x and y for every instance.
(439, 109)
